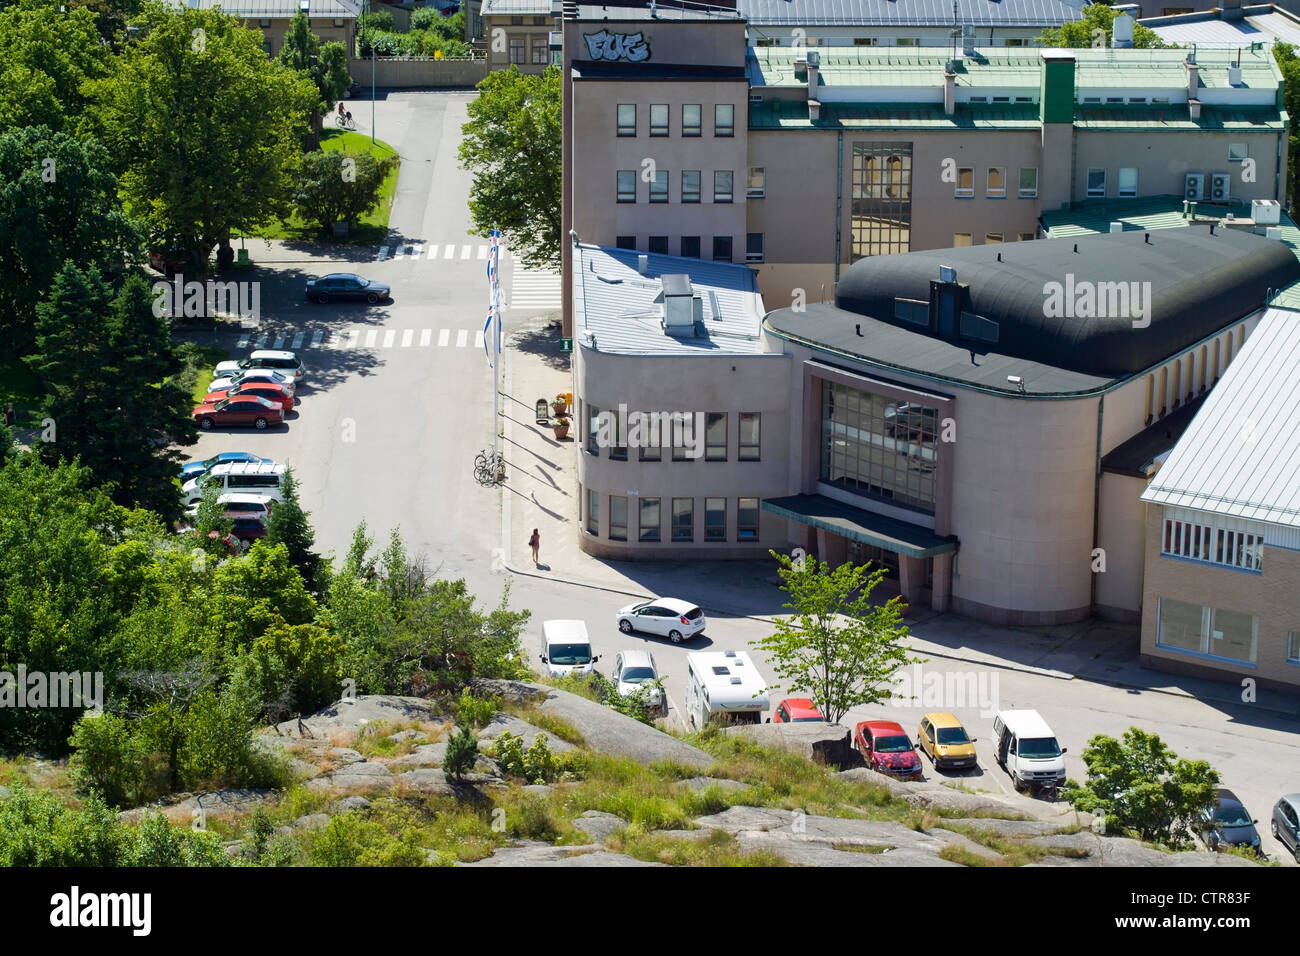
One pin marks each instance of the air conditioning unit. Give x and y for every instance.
(1266, 212)
(1220, 187)
(1194, 186)
(755, 98)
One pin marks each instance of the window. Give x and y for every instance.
(658, 244)
(1216, 632)
(907, 41)
(746, 519)
(997, 183)
(960, 239)
(690, 119)
(1293, 647)
(1028, 182)
(864, 41)
(593, 512)
(540, 21)
(1001, 99)
(721, 248)
(659, 186)
(722, 179)
(1096, 182)
(1128, 181)
(749, 436)
(627, 185)
(684, 447)
(649, 527)
(593, 429)
(338, 22)
(690, 247)
(518, 51)
(690, 186)
(541, 52)
(626, 242)
(1014, 41)
(754, 247)
(992, 238)
(626, 119)
(1237, 152)
(1205, 542)
(724, 120)
(617, 518)
(658, 119)
(965, 183)
(879, 447)
(617, 447)
(516, 21)
(683, 519)
(264, 23)
(756, 183)
(1026, 236)
(881, 209)
(715, 519)
(715, 436)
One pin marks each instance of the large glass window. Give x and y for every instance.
(724, 120)
(756, 183)
(746, 519)
(684, 438)
(1128, 181)
(1179, 625)
(715, 519)
(659, 186)
(626, 181)
(749, 436)
(690, 119)
(1028, 182)
(593, 429)
(683, 519)
(691, 246)
(690, 186)
(1204, 542)
(1206, 630)
(715, 436)
(1232, 635)
(877, 446)
(658, 119)
(722, 185)
(617, 518)
(882, 199)
(721, 248)
(626, 119)
(649, 529)
(997, 183)
(1096, 182)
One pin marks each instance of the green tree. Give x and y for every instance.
(837, 646)
(1289, 64)
(211, 528)
(288, 525)
(47, 56)
(462, 751)
(37, 830)
(333, 186)
(294, 669)
(206, 127)
(376, 20)
(1139, 785)
(512, 146)
(103, 361)
(58, 204)
(1094, 30)
(325, 65)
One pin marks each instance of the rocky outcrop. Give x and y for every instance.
(349, 716)
(823, 743)
(505, 724)
(532, 853)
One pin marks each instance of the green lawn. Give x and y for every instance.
(373, 227)
(199, 360)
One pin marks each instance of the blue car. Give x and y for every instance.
(193, 469)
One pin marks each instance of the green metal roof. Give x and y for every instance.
(1150, 213)
(1176, 116)
(779, 114)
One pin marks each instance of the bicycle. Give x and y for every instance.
(489, 468)
(344, 121)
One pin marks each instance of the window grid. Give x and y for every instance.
(750, 443)
(617, 518)
(724, 120)
(626, 119)
(648, 525)
(683, 519)
(877, 447)
(690, 185)
(1204, 542)
(691, 119)
(626, 185)
(658, 119)
(715, 519)
(722, 185)
(659, 186)
(882, 199)
(715, 436)
(746, 519)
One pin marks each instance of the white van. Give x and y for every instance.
(1027, 749)
(254, 478)
(566, 648)
(724, 687)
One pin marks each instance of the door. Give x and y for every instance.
(651, 620)
(927, 737)
(947, 313)
(1004, 739)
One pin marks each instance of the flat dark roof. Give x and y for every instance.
(858, 524)
(1138, 456)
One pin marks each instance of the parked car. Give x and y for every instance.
(1228, 823)
(353, 90)
(796, 710)
(287, 363)
(264, 480)
(566, 648)
(240, 503)
(667, 617)
(247, 375)
(252, 410)
(634, 668)
(1027, 748)
(169, 261)
(346, 285)
(1286, 823)
(232, 543)
(193, 469)
(268, 390)
(945, 740)
(885, 747)
(247, 527)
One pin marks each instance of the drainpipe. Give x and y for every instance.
(839, 199)
(1096, 505)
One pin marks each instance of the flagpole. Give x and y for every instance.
(496, 342)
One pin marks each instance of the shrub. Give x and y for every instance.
(474, 711)
(462, 750)
(536, 764)
(105, 759)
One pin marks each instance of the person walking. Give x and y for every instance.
(535, 542)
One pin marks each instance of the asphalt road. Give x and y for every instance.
(387, 434)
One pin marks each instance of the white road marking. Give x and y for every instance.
(416, 249)
(478, 339)
(297, 341)
(388, 338)
(316, 338)
(242, 343)
(450, 252)
(279, 343)
(443, 335)
(433, 251)
(370, 338)
(261, 341)
(424, 337)
(353, 335)
(462, 338)
(407, 335)
(383, 253)
(397, 254)
(464, 252)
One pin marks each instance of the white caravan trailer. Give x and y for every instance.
(724, 687)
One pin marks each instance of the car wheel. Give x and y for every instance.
(205, 424)
(1274, 826)
(675, 636)
(322, 297)
(626, 627)
(372, 298)
(260, 424)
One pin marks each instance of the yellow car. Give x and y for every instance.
(945, 740)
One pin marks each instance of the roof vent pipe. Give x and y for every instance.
(643, 264)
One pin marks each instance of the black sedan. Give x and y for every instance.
(345, 285)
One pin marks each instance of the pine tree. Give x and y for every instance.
(289, 526)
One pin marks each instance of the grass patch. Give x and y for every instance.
(373, 226)
(1014, 851)
(856, 848)
(375, 739)
(198, 361)
(719, 848)
(555, 726)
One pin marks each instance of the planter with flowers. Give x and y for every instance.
(561, 426)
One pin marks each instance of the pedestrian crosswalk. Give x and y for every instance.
(360, 337)
(529, 288)
(438, 251)
(534, 289)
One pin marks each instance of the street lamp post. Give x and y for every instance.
(372, 84)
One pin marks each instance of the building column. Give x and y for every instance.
(941, 590)
(911, 578)
(832, 548)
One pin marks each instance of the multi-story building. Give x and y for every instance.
(334, 21)
(516, 33)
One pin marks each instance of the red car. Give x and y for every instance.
(886, 748)
(270, 391)
(796, 710)
(247, 527)
(247, 410)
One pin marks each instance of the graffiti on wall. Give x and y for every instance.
(613, 47)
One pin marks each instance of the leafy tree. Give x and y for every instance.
(376, 20)
(47, 55)
(37, 830)
(424, 18)
(211, 526)
(155, 842)
(1289, 64)
(288, 525)
(1094, 30)
(58, 204)
(325, 65)
(206, 127)
(103, 361)
(293, 669)
(1138, 784)
(512, 146)
(332, 185)
(111, 16)
(836, 646)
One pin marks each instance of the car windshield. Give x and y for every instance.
(807, 720)
(892, 745)
(1232, 816)
(211, 461)
(221, 404)
(635, 675)
(570, 654)
(953, 735)
(1038, 748)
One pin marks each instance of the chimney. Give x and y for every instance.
(968, 40)
(1122, 32)
(1116, 227)
(814, 110)
(949, 91)
(1193, 79)
(1194, 108)
(814, 63)
(643, 264)
(1234, 74)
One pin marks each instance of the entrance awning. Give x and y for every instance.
(857, 524)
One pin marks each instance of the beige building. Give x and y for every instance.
(334, 21)
(1221, 590)
(516, 33)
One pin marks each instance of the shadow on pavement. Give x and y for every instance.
(543, 343)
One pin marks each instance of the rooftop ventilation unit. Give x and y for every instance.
(968, 40)
(1116, 227)
(1273, 232)
(1194, 186)
(1266, 212)
(1220, 187)
(683, 314)
(643, 264)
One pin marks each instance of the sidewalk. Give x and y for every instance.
(541, 492)
(270, 251)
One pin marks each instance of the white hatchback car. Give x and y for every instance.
(249, 375)
(633, 668)
(666, 617)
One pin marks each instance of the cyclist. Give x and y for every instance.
(341, 113)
